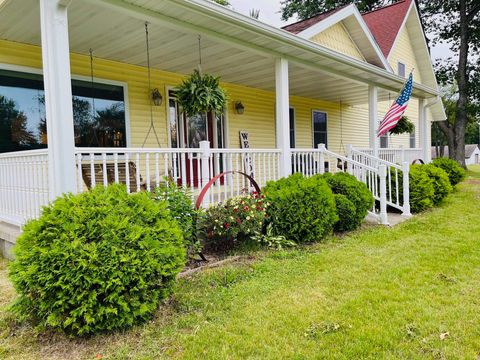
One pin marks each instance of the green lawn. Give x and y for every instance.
(378, 293)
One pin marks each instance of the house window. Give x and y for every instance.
(401, 69)
(292, 127)
(98, 113)
(319, 120)
(412, 139)
(384, 141)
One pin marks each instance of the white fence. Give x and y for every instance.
(144, 169)
(24, 175)
(318, 161)
(397, 178)
(23, 185)
(396, 156)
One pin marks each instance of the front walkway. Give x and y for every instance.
(405, 292)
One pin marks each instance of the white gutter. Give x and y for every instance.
(219, 13)
(213, 10)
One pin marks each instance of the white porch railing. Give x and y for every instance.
(397, 156)
(144, 169)
(397, 178)
(23, 185)
(318, 161)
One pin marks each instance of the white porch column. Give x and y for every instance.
(424, 130)
(58, 96)
(282, 115)
(373, 118)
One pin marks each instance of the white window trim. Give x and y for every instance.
(294, 126)
(313, 128)
(124, 85)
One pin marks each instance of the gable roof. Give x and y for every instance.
(386, 22)
(352, 20)
(301, 25)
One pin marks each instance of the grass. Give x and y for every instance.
(409, 292)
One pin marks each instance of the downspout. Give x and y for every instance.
(425, 131)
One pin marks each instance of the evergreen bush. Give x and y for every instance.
(301, 209)
(97, 261)
(454, 171)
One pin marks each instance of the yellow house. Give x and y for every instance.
(95, 79)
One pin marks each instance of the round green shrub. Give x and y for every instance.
(455, 172)
(441, 183)
(422, 191)
(355, 191)
(301, 209)
(97, 261)
(347, 214)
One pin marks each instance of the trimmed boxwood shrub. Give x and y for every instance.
(355, 191)
(454, 171)
(347, 214)
(97, 261)
(302, 209)
(422, 191)
(441, 183)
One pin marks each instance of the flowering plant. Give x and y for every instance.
(237, 218)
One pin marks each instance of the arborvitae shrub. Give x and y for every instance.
(355, 191)
(301, 209)
(347, 214)
(97, 261)
(455, 172)
(422, 191)
(441, 183)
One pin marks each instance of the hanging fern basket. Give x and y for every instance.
(200, 93)
(404, 126)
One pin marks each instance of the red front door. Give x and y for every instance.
(197, 128)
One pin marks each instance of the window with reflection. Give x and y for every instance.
(98, 113)
(319, 128)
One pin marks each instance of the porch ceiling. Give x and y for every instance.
(114, 29)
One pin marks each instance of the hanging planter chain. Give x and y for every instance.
(152, 126)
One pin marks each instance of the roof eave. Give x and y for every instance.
(232, 18)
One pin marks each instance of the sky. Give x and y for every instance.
(269, 13)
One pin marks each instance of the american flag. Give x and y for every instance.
(397, 109)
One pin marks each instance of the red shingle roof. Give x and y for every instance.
(301, 25)
(384, 23)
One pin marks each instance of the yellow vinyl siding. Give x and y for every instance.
(403, 51)
(348, 126)
(258, 119)
(338, 39)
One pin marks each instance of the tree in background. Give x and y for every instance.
(303, 9)
(457, 23)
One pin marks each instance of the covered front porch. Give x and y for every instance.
(296, 96)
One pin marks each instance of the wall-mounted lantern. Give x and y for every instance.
(239, 108)
(157, 97)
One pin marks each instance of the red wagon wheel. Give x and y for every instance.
(419, 161)
(219, 176)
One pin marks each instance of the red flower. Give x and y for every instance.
(259, 208)
(226, 225)
(235, 210)
(239, 221)
(260, 203)
(246, 208)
